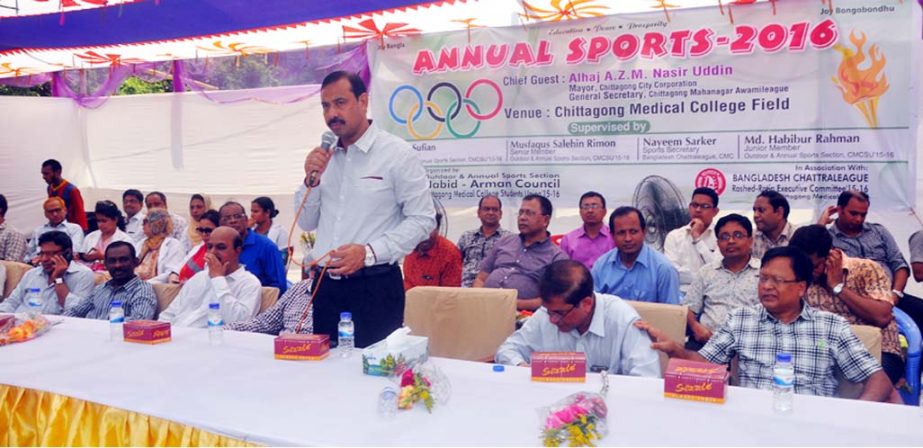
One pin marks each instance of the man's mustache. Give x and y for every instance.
(335, 121)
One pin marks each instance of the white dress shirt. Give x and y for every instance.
(237, 293)
(78, 278)
(612, 341)
(169, 260)
(72, 230)
(92, 239)
(134, 226)
(690, 255)
(376, 192)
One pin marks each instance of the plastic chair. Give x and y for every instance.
(909, 329)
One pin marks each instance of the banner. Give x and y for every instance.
(644, 108)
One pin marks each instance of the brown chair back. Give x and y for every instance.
(671, 319)
(268, 297)
(14, 272)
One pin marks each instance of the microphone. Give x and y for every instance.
(326, 142)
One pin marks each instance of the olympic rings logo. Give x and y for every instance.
(444, 117)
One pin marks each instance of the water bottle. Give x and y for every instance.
(215, 324)
(346, 331)
(387, 402)
(783, 383)
(34, 301)
(116, 319)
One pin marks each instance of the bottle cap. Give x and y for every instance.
(346, 315)
(35, 290)
(499, 368)
(783, 357)
(116, 302)
(213, 306)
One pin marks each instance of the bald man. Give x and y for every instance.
(223, 280)
(56, 214)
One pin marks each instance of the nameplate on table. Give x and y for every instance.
(146, 331)
(302, 347)
(569, 367)
(697, 381)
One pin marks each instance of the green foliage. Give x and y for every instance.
(137, 86)
(39, 90)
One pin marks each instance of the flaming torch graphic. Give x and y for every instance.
(862, 86)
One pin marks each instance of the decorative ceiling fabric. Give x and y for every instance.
(45, 36)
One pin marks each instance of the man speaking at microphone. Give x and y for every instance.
(371, 204)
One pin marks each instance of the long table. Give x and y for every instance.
(239, 390)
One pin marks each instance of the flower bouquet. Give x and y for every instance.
(578, 420)
(423, 383)
(22, 328)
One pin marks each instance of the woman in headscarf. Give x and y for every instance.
(160, 254)
(198, 204)
(262, 212)
(111, 225)
(195, 258)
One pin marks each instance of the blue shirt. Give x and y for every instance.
(652, 278)
(261, 258)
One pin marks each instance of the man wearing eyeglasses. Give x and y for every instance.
(56, 213)
(575, 319)
(723, 285)
(260, 256)
(61, 282)
(518, 261)
(475, 244)
(589, 241)
(820, 343)
(692, 246)
(857, 289)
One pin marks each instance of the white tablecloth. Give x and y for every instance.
(239, 390)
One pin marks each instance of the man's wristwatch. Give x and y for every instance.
(899, 294)
(59, 281)
(838, 288)
(370, 257)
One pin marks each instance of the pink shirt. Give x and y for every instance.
(580, 247)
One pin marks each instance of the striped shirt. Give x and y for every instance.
(284, 315)
(820, 343)
(137, 298)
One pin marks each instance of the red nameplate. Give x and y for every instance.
(146, 331)
(693, 380)
(310, 347)
(559, 367)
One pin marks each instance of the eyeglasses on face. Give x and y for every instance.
(770, 280)
(204, 230)
(700, 206)
(736, 235)
(559, 315)
(234, 217)
(591, 206)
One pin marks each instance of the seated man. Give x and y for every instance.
(694, 245)
(589, 241)
(517, 261)
(55, 213)
(132, 203)
(13, 244)
(860, 239)
(62, 282)
(574, 318)
(856, 289)
(224, 280)
(287, 315)
(474, 245)
(725, 284)
(136, 295)
(634, 271)
(770, 213)
(434, 262)
(820, 343)
(260, 255)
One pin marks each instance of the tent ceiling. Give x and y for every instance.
(53, 35)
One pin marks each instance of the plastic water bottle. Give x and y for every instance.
(387, 402)
(783, 383)
(116, 319)
(34, 301)
(346, 332)
(215, 324)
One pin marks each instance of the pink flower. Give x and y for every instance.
(553, 422)
(407, 378)
(567, 414)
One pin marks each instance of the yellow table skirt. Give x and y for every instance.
(34, 418)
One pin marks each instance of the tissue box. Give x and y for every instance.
(380, 360)
(693, 380)
(310, 347)
(559, 367)
(146, 331)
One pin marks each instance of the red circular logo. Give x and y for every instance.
(711, 178)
